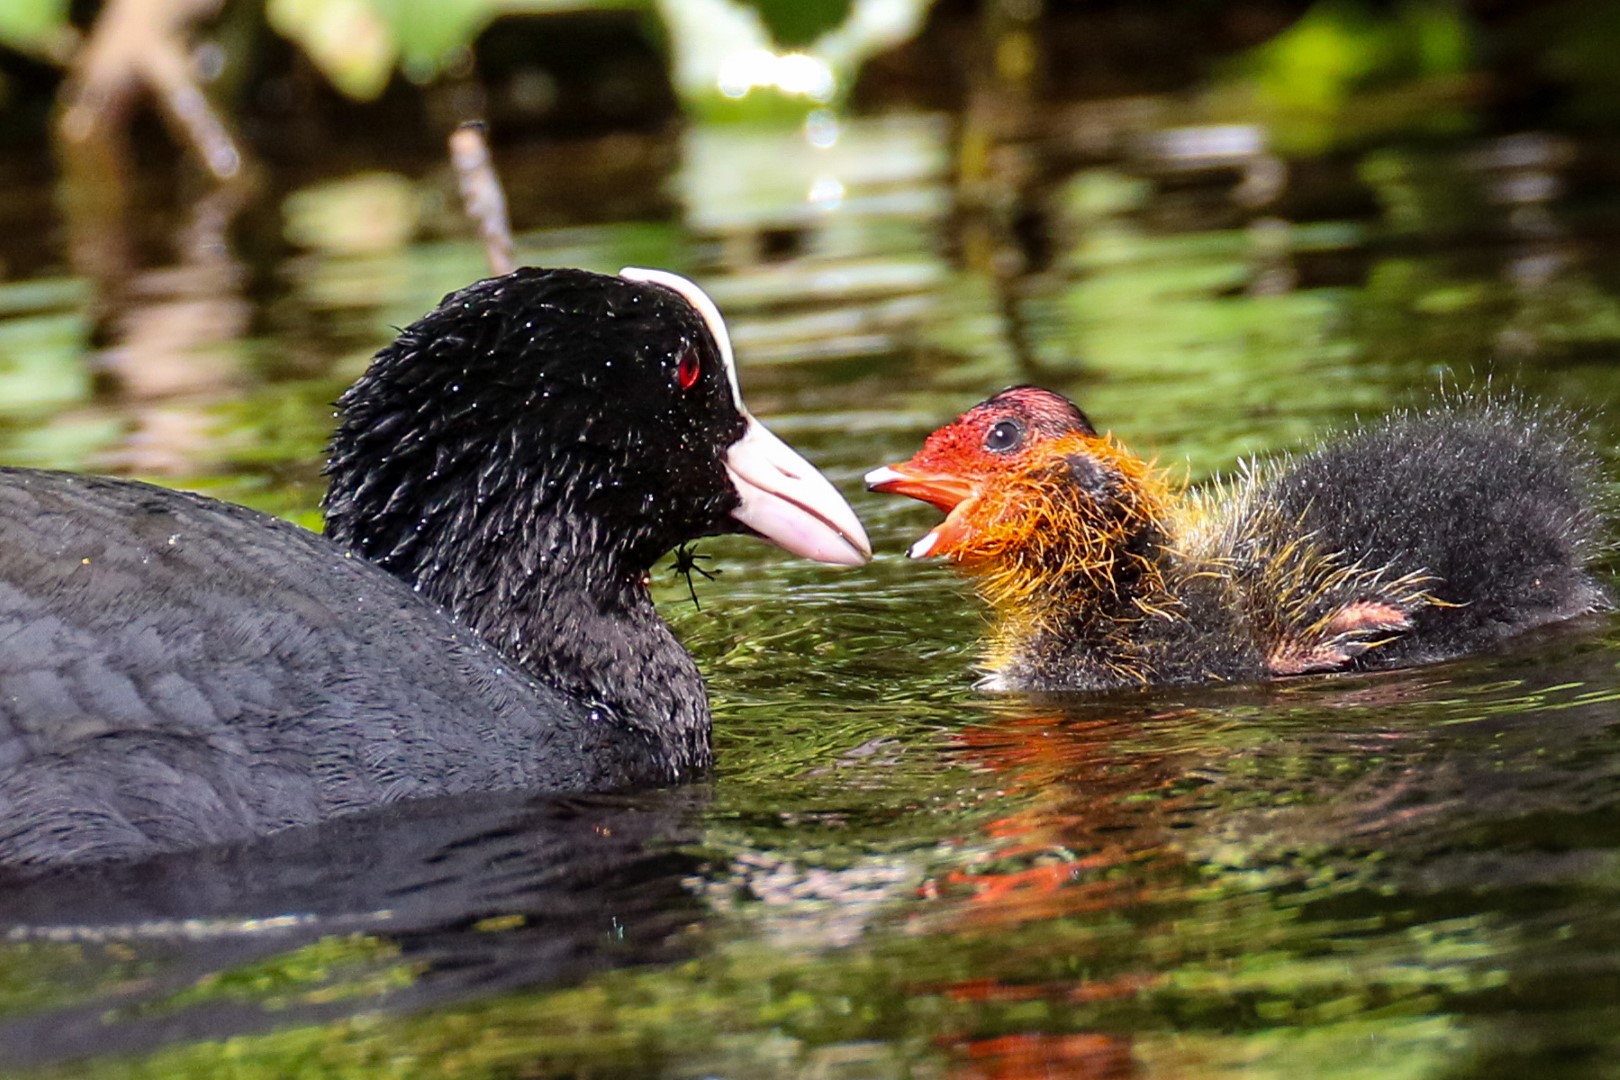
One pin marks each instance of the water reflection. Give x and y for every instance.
(428, 904)
(1404, 874)
(1178, 874)
(173, 336)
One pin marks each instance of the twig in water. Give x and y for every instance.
(482, 195)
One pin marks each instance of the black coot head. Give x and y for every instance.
(561, 406)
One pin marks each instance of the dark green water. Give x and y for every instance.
(891, 874)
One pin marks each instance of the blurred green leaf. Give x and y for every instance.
(347, 39)
(31, 25)
(1347, 67)
(796, 23)
(357, 43)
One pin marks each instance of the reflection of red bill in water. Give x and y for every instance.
(1039, 1056)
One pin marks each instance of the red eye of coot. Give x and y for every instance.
(689, 369)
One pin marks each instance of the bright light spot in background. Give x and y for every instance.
(723, 44)
(806, 76)
(821, 129)
(791, 73)
(826, 193)
(741, 72)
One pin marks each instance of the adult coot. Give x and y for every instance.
(1429, 535)
(177, 671)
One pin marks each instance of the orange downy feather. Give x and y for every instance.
(1041, 550)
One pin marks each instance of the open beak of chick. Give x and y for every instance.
(955, 495)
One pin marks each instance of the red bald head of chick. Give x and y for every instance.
(1040, 509)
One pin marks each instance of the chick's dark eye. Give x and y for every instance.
(1004, 436)
(689, 368)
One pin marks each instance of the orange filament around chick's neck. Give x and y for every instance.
(1047, 550)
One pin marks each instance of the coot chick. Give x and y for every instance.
(1428, 535)
(177, 671)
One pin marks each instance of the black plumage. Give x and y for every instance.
(1495, 509)
(177, 671)
(1427, 535)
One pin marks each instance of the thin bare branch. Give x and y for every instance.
(482, 195)
(138, 45)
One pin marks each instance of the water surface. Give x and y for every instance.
(891, 874)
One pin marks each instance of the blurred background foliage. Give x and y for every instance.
(1072, 175)
(1293, 63)
(359, 45)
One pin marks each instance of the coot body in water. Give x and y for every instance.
(1428, 535)
(176, 671)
